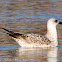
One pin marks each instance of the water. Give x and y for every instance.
(26, 16)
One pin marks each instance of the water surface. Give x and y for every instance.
(26, 16)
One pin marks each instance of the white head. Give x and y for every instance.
(52, 23)
(51, 29)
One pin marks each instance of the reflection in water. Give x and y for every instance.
(38, 54)
(52, 55)
(29, 54)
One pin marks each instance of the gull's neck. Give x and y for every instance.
(52, 33)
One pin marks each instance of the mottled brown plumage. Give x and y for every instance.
(29, 38)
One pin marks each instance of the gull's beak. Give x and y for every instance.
(60, 22)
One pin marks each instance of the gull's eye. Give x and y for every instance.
(56, 20)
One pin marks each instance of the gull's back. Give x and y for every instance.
(33, 40)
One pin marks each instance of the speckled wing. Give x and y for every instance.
(29, 38)
(39, 39)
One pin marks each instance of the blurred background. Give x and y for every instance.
(26, 16)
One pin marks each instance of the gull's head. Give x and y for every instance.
(53, 22)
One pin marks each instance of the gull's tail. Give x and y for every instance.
(8, 31)
(12, 34)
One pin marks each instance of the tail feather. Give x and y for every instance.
(8, 30)
(12, 34)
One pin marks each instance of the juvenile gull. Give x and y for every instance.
(36, 40)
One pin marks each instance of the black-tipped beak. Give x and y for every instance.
(60, 22)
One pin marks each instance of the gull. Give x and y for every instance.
(36, 40)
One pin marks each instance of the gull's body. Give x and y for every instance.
(36, 40)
